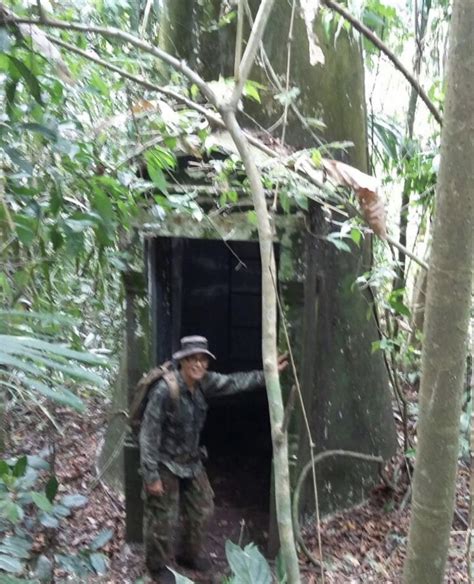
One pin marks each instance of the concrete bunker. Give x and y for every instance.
(197, 270)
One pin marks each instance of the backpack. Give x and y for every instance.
(142, 392)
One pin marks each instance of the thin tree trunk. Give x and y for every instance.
(447, 317)
(269, 351)
(404, 209)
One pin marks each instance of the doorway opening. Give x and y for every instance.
(213, 288)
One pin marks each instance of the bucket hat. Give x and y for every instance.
(192, 345)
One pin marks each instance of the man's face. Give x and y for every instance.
(194, 367)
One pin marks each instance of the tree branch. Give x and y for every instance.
(9, 17)
(251, 50)
(373, 38)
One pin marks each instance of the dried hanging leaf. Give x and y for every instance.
(366, 188)
(309, 11)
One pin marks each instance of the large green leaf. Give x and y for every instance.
(45, 131)
(23, 346)
(74, 501)
(99, 562)
(18, 547)
(49, 521)
(180, 579)
(51, 488)
(30, 80)
(101, 539)
(20, 466)
(42, 501)
(11, 511)
(248, 564)
(58, 394)
(10, 564)
(21, 315)
(17, 158)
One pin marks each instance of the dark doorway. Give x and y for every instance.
(213, 288)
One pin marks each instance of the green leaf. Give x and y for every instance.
(11, 565)
(316, 157)
(18, 159)
(5, 40)
(155, 163)
(252, 218)
(58, 394)
(180, 579)
(73, 564)
(74, 501)
(30, 80)
(49, 521)
(51, 488)
(7, 579)
(288, 97)
(35, 461)
(44, 569)
(51, 349)
(18, 547)
(100, 563)
(251, 90)
(41, 129)
(20, 466)
(101, 539)
(4, 468)
(41, 501)
(339, 243)
(102, 204)
(248, 565)
(61, 511)
(11, 511)
(26, 228)
(356, 235)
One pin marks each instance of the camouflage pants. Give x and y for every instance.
(194, 499)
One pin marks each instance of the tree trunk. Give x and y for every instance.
(405, 203)
(269, 351)
(447, 317)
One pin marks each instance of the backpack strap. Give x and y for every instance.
(172, 382)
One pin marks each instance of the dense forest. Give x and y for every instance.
(292, 180)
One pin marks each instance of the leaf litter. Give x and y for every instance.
(365, 544)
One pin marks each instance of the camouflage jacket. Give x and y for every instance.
(171, 428)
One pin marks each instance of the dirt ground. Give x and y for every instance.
(362, 545)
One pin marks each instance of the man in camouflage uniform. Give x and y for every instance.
(174, 476)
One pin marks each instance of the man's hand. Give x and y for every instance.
(282, 362)
(155, 489)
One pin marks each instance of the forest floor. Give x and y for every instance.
(363, 545)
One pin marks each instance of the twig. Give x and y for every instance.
(10, 17)
(146, 15)
(287, 87)
(288, 66)
(296, 496)
(238, 38)
(312, 460)
(382, 47)
(406, 251)
(251, 50)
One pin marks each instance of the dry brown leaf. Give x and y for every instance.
(366, 188)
